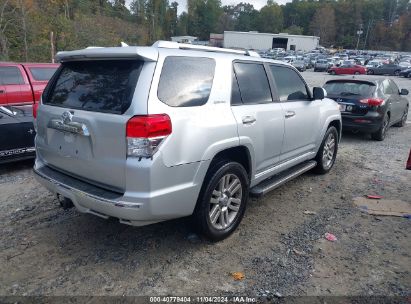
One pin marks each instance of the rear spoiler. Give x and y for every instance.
(352, 80)
(101, 53)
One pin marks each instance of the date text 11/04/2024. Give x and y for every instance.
(200, 299)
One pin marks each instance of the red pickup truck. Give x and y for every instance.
(23, 83)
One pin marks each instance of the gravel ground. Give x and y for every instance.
(45, 250)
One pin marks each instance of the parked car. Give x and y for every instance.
(369, 106)
(405, 73)
(385, 69)
(155, 136)
(299, 65)
(23, 83)
(321, 65)
(373, 64)
(348, 69)
(405, 64)
(16, 133)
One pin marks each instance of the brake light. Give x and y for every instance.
(35, 107)
(145, 134)
(373, 102)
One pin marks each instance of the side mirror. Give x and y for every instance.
(319, 93)
(404, 92)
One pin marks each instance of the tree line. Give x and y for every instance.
(31, 29)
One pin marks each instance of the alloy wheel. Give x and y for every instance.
(404, 116)
(225, 201)
(329, 151)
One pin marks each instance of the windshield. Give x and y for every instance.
(349, 88)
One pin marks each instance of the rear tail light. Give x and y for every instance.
(373, 102)
(145, 134)
(35, 107)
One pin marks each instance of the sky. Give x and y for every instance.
(182, 4)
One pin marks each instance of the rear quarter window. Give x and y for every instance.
(100, 86)
(42, 74)
(186, 81)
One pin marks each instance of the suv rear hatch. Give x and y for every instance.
(351, 95)
(85, 108)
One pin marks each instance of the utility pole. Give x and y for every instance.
(368, 31)
(359, 33)
(52, 46)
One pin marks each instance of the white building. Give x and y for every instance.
(265, 41)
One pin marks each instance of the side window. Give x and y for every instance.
(235, 91)
(394, 88)
(186, 81)
(253, 83)
(11, 75)
(387, 87)
(290, 86)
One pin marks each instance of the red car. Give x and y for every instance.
(23, 83)
(348, 69)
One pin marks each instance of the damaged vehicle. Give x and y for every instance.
(148, 134)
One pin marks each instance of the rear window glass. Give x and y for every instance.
(100, 86)
(186, 81)
(349, 88)
(42, 74)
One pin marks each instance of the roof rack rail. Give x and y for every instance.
(185, 46)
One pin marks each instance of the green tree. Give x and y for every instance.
(323, 25)
(203, 16)
(271, 18)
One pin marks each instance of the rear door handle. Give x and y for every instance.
(248, 120)
(289, 114)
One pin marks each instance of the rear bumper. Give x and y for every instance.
(132, 208)
(369, 123)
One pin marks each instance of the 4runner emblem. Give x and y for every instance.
(66, 117)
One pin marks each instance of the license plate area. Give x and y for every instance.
(69, 145)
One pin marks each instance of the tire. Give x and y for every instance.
(215, 216)
(332, 72)
(370, 72)
(328, 151)
(315, 70)
(403, 120)
(397, 73)
(357, 73)
(380, 134)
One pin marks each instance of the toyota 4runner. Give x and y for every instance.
(147, 134)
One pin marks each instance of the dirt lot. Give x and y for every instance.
(45, 250)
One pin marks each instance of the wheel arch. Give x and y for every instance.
(239, 154)
(337, 124)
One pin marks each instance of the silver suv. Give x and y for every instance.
(147, 134)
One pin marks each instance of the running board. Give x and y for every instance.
(281, 178)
